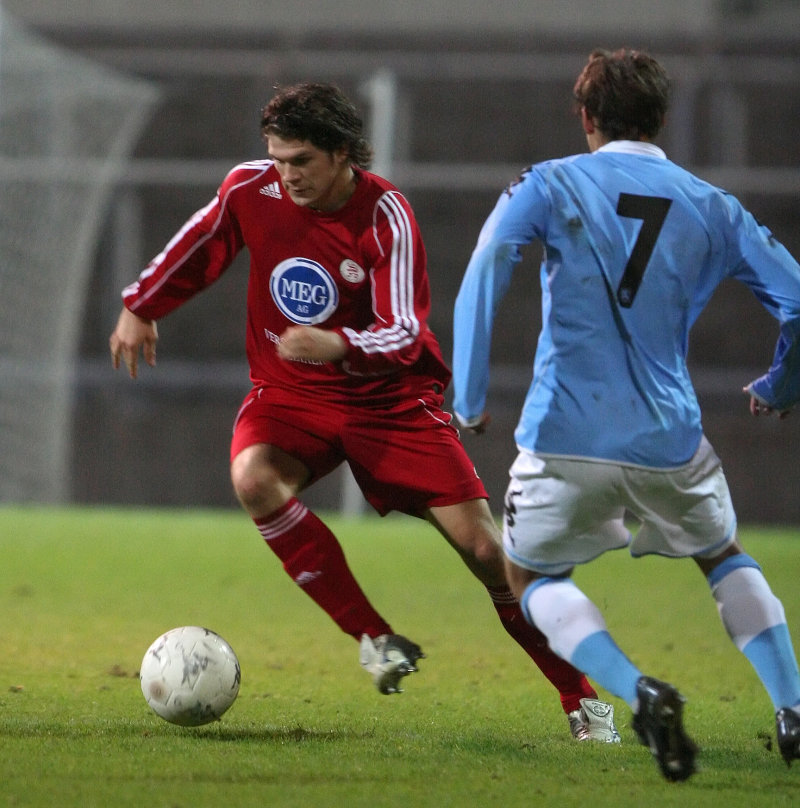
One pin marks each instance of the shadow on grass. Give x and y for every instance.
(218, 732)
(295, 734)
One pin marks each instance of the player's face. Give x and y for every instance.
(312, 177)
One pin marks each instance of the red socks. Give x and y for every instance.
(571, 684)
(313, 557)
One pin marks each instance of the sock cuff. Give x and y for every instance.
(501, 595)
(284, 519)
(729, 565)
(532, 587)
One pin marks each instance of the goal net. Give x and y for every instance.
(67, 127)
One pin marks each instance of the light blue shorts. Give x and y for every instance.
(560, 511)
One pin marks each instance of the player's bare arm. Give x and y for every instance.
(132, 333)
(308, 342)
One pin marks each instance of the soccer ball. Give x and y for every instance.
(190, 676)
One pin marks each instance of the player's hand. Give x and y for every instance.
(307, 342)
(131, 334)
(758, 407)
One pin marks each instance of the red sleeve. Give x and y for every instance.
(194, 258)
(400, 293)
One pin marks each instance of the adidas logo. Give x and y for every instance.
(307, 577)
(273, 190)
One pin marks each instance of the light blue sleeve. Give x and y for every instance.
(765, 265)
(511, 224)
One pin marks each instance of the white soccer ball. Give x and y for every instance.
(190, 676)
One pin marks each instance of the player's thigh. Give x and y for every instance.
(559, 513)
(472, 531)
(685, 512)
(303, 430)
(410, 461)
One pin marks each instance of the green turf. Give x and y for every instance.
(83, 592)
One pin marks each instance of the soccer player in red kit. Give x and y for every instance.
(343, 367)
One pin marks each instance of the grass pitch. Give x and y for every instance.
(84, 591)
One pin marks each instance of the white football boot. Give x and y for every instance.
(593, 721)
(388, 658)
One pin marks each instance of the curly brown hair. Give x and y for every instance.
(625, 92)
(320, 114)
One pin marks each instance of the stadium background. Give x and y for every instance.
(459, 97)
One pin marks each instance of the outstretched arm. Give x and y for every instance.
(766, 266)
(485, 282)
(131, 334)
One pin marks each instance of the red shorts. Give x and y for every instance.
(404, 461)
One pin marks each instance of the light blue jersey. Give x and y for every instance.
(634, 248)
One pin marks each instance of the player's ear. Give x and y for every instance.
(587, 122)
(341, 155)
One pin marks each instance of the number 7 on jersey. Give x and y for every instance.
(652, 210)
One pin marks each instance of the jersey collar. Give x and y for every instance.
(633, 147)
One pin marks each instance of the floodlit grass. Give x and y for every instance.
(84, 591)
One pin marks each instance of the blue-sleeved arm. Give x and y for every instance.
(779, 387)
(774, 276)
(486, 280)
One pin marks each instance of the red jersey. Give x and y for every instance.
(360, 271)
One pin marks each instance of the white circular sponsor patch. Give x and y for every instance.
(351, 271)
(304, 291)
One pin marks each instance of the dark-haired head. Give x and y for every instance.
(625, 93)
(320, 114)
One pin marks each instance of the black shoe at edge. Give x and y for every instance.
(787, 725)
(659, 725)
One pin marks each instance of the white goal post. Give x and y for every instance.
(67, 127)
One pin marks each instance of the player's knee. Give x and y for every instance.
(486, 555)
(255, 482)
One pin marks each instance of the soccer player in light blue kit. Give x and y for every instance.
(634, 248)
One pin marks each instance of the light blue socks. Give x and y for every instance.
(755, 620)
(577, 632)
